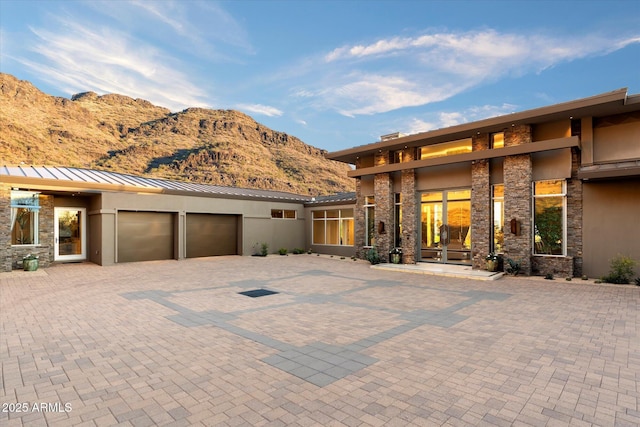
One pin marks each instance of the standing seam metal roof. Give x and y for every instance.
(118, 179)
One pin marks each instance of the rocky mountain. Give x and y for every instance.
(121, 134)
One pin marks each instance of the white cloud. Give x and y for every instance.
(264, 110)
(398, 72)
(446, 119)
(109, 61)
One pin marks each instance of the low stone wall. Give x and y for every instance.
(19, 252)
(557, 266)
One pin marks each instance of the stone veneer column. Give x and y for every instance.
(574, 214)
(480, 204)
(5, 228)
(409, 212)
(359, 221)
(517, 199)
(382, 186)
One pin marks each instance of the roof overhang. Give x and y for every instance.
(610, 170)
(533, 147)
(605, 104)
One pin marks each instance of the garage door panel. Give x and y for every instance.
(145, 236)
(211, 235)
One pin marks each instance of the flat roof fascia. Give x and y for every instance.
(606, 103)
(532, 147)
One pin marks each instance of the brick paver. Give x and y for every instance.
(174, 343)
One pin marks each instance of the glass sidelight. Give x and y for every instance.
(446, 226)
(70, 234)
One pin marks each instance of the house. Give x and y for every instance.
(556, 189)
(70, 214)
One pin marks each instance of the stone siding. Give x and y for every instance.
(480, 205)
(384, 214)
(554, 265)
(409, 220)
(359, 221)
(11, 256)
(517, 199)
(5, 228)
(574, 215)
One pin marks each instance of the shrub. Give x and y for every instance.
(638, 281)
(297, 251)
(620, 270)
(372, 256)
(548, 276)
(264, 249)
(514, 267)
(282, 251)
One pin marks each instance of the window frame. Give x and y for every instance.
(29, 201)
(397, 220)
(283, 214)
(563, 196)
(369, 233)
(340, 219)
(492, 140)
(495, 199)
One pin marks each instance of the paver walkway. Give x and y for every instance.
(336, 343)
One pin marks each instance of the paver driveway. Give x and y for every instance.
(175, 343)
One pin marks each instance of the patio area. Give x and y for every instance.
(308, 340)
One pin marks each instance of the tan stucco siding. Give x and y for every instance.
(610, 223)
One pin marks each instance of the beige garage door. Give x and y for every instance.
(145, 236)
(211, 235)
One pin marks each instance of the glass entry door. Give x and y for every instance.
(70, 234)
(446, 226)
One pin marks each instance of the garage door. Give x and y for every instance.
(145, 236)
(211, 235)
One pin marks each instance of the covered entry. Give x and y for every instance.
(211, 235)
(145, 236)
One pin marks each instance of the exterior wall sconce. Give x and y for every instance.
(515, 227)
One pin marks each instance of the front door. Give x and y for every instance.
(70, 234)
(446, 226)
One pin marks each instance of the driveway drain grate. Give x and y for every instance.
(255, 293)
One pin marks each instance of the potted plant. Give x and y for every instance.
(395, 256)
(30, 262)
(492, 261)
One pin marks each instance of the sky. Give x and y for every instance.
(336, 74)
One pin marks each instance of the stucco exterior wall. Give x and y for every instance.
(610, 223)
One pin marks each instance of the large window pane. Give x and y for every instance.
(346, 232)
(370, 239)
(549, 225)
(333, 232)
(549, 217)
(318, 232)
(498, 218)
(24, 226)
(446, 149)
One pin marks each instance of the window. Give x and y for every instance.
(24, 217)
(497, 232)
(497, 140)
(397, 219)
(370, 220)
(283, 213)
(333, 227)
(549, 199)
(460, 146)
